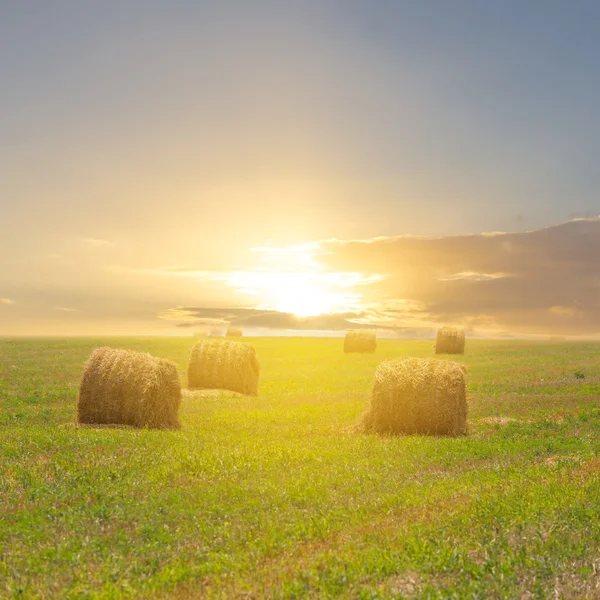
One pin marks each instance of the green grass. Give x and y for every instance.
(274, 497)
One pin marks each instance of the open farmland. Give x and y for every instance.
(274, 496)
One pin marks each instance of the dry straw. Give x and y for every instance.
(360, 340)
(417, 395)
(450, 340)
(221, 364)
(129, 388)
(233, 332)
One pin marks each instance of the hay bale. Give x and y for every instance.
(417, 395)
(360, 340)
(233, 332)
(450, 340)
(129, 388)
(221, 364)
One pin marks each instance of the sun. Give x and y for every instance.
(291, 280)
(303, 298)
(300, 293)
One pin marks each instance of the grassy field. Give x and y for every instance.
(275, 497)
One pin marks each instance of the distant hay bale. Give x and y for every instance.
(129, 388)
(360, 340)
(225, 365)
(233, 332)
(450, 340)
(417, 395)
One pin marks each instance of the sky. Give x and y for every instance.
(299, 166)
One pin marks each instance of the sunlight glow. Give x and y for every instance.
(303, 294)
(291, 280)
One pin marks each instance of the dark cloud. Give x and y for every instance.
(192, 316)
(545, 281)
(538, 282)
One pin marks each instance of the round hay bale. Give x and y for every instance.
(450, 340)
(225, 365)
(124, 387)
(233, 332)
(417, 395)
(360, 340)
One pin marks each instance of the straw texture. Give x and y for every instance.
(129, 388)
(450, 340)
(360, 340)
(226, 365)
(417, 395)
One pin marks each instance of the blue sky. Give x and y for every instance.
(185, 133)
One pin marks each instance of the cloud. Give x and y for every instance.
(191, 316)
(89, 242)
(470, 275)
(544, 281)
(569, 312)
(537, 282)
(290, 281)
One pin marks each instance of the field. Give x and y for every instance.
(274, 496)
